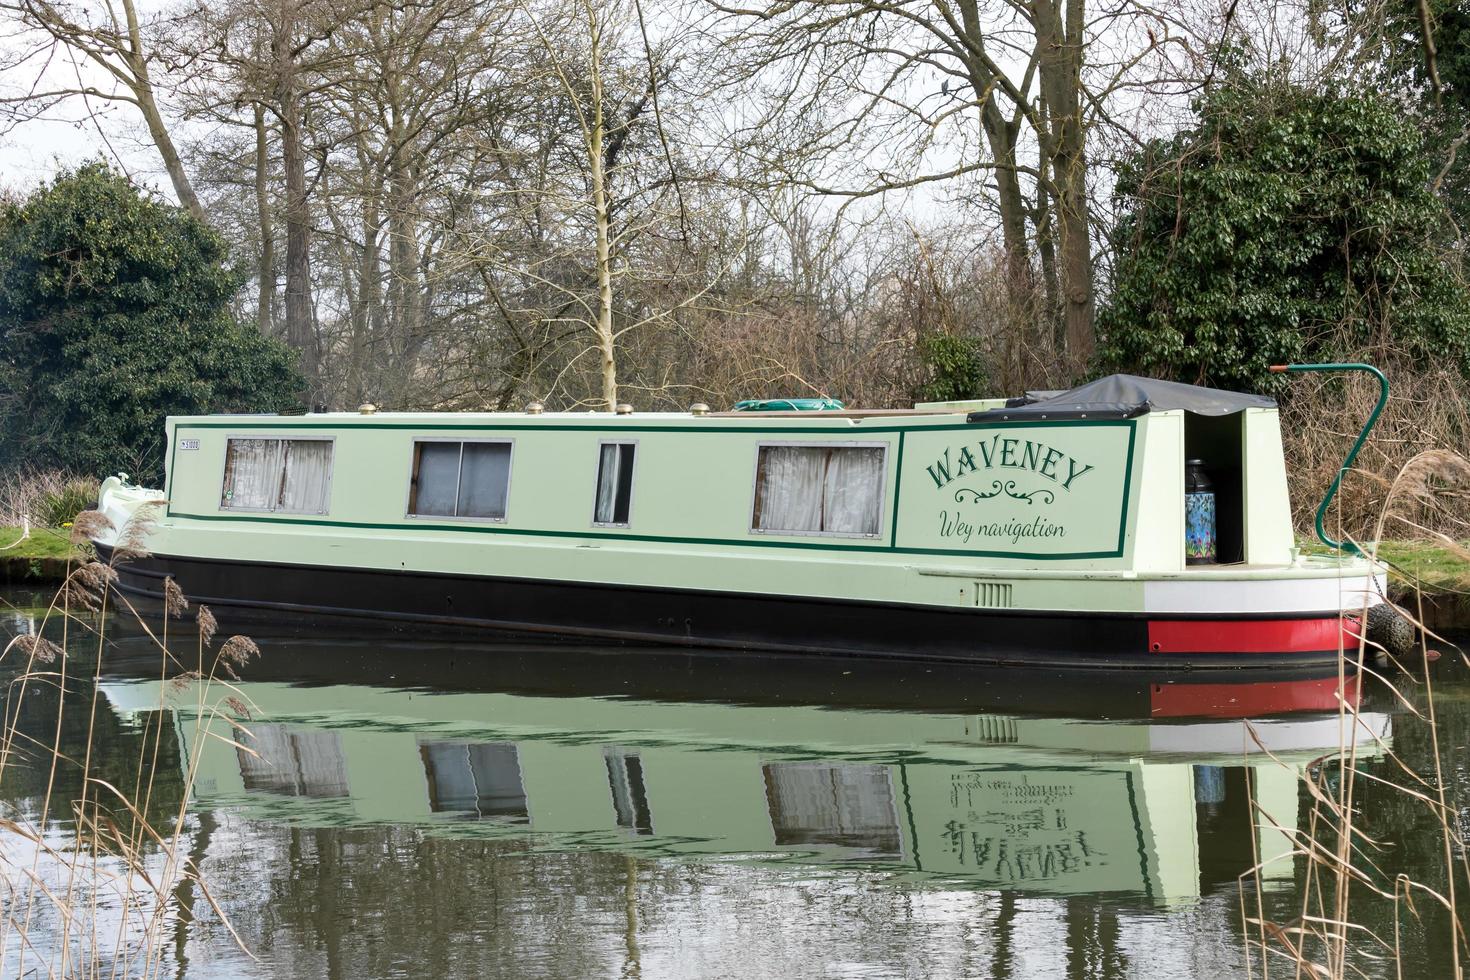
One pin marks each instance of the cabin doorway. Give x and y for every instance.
(1219, 441)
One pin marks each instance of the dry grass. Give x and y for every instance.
(89, 878)
(43, 498)
(1428, 412)
(1328, 937)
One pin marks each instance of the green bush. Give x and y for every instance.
(115, 311)
(954, 366)
(1287, 225)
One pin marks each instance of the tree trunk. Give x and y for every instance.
(602, 216)
(1061, 81)
(266, 269)
(367, 316)
(142, 89)
(299, 330)
(405, 291)
(1044, 220)
(1001, 137)
(171, 162)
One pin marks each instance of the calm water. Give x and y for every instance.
(405, 807)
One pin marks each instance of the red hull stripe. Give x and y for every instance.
(1249, 699)
(1248, 635)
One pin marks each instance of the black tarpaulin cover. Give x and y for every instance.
(1126, 396)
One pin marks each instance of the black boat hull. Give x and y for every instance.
(243, 591)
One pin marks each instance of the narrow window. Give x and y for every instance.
(630, 796)
(289, 476)
(614, 484)
(819, 490)
(460, 479)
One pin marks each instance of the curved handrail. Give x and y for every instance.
(1347, 463)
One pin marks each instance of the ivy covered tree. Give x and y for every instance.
(115, 312)
(1285, 225)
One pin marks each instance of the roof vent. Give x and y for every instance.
(367, 408)
(535, 408)
(623, 408)
(699, 408)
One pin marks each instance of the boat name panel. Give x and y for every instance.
(1043, 491)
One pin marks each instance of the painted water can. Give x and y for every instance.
(1199, 514)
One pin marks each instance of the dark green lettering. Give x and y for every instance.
(1073, 473)
(940, 466)
(1029, 454)
(1049, 464)
(987, 452)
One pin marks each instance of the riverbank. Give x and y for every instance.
(37, 558)
(1440, 574)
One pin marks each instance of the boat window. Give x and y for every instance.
(614, 484)
(460, 479)
(819, 490)
(291, 761)
(289, 476)
(479, 778)
(842, 804)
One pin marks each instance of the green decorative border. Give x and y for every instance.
(831, 546)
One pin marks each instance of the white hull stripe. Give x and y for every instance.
(1296, 595)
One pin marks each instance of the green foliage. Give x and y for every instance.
(61, 504)
(114, 312)
(954, 366)
(1287, 225)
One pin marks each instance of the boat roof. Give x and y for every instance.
(1123, 396)
(602, 419)
(1115, 396)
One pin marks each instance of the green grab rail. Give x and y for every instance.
(1347, 463)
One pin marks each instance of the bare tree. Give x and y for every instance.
(109, 61)
(926, 93)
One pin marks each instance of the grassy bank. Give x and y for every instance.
(1436, 568)
(35, 559)
(1441, 575)
(43, 542)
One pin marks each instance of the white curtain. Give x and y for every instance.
(308, 476)
(853, 491)
(789, 488)
(484, 479)
(252, 474)
(607, 483)
(820, 488)
(293, 761)
(438, 479)
(849, 804)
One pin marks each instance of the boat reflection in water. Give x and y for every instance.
(1142, 785)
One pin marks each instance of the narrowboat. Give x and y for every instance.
(1127, 522)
